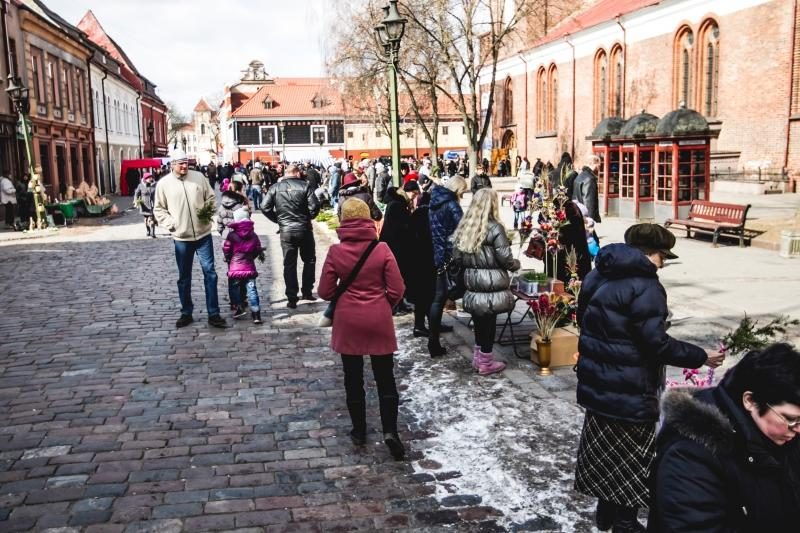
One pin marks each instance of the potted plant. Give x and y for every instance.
(529, 282)
(548, 309)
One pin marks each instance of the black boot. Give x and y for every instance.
(358, 416)
(396, 448)
(435, 348)
(626, 522)
(256, 317)
(148, 229)
(605, 514)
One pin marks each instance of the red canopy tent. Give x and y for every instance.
(128, 164)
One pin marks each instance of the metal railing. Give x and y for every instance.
(759, 175)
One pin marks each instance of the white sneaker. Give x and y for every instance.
(324, 322)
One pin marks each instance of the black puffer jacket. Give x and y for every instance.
(716, 472)
(363, 193)
(292, 204)
(486, 274)
(622, 311)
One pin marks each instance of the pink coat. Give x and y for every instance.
(362, 323)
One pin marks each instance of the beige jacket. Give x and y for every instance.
(177, 203)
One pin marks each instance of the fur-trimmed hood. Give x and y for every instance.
(693, 414)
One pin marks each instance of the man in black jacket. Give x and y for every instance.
(584, 188)
(292, 204)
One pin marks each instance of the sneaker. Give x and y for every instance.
(184, 321)
(324, 322)
(308, 296)
(291, 304)
(256, 317)
(396, 448)
(239, 312)
(217, 321)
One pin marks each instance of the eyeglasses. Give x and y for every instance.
(791, 425)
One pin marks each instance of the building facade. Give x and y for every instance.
(13, 161)
(145, 116)
(116, 128)
(56, 60)
(305, 119)
(734, 61)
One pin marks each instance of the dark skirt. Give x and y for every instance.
(614, 459)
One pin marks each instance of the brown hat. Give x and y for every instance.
(354, 208)
(651, 237)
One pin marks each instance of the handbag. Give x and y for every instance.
(454, 274)
(344, 285)
(536, 248)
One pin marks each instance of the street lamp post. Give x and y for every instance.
(19, 95)
(281, 126)
(150, 131)
(390, 32)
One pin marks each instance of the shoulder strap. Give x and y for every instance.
(343, 286)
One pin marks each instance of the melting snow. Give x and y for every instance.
(515, 451)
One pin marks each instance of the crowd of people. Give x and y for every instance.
(725, 459)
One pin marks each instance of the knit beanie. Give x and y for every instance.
(241, 214)
(354, 208)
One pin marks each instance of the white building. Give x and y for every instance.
(116, 124)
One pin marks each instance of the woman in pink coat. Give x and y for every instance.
(362, 323)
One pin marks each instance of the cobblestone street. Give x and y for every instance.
(113, 420)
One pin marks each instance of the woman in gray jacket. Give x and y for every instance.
(481, 244)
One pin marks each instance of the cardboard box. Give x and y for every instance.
(564, 344)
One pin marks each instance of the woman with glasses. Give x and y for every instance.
(729, 457)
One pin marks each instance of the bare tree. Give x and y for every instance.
(175, 122)
(215, 101)
(471, 35)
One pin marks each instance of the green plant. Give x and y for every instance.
(206, 213)
(749, 336)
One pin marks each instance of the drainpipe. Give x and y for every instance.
(789, 119)
(105, 126)
(139, 123)
(566, 39)
(624, 62)
(525, 129)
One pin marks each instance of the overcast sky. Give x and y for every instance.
(193, 48)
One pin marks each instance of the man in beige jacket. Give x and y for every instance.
(179, 196)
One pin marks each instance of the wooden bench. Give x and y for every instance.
(714, 217)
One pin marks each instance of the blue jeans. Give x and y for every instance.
(255, 195)
(235, 290)
(184, 255)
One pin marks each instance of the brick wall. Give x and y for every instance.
(754, 94)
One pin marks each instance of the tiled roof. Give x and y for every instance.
(293, 97)
(202, 106)
(603, 11)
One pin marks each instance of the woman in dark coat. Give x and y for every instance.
(396, 232)
(421, 283)
(362, 323)
(571, 236)
(353, 187)
(624, 346)
(481, 245)
(729, 457)
(444, 215)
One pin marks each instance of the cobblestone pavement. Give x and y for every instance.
(113, 420)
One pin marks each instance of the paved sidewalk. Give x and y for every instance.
(113, 420)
